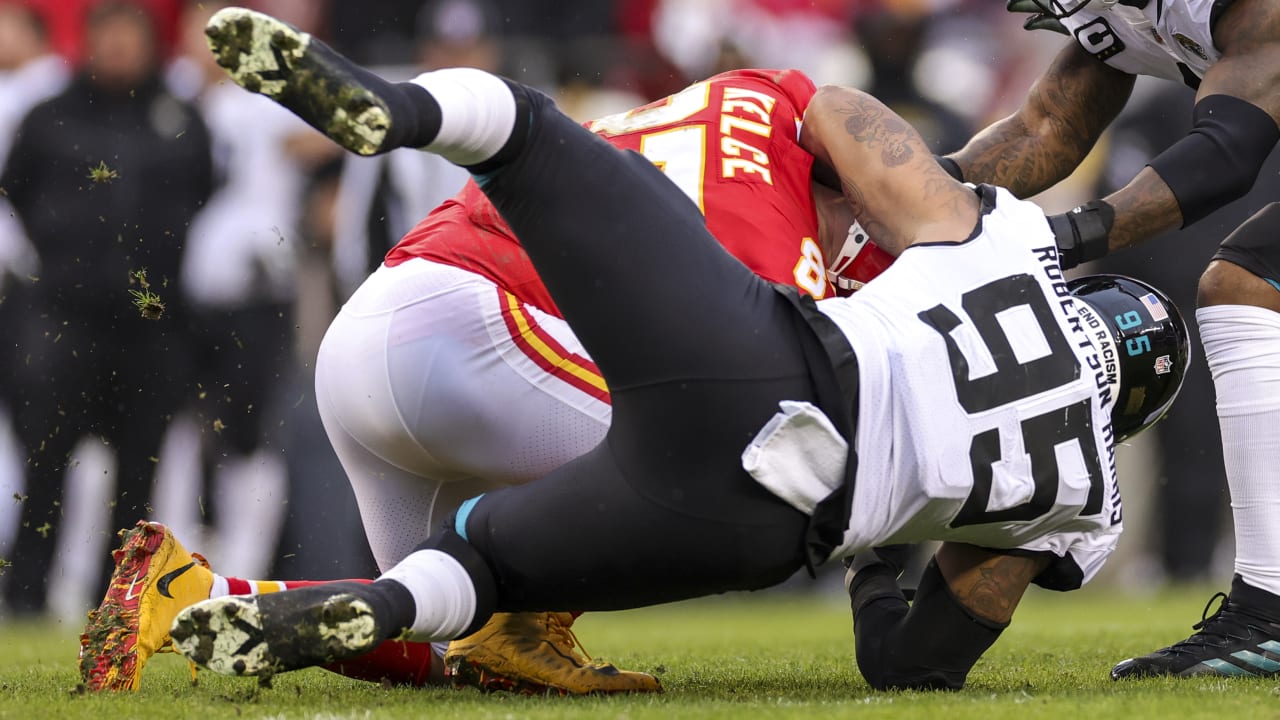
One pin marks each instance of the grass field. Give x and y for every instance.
(776, 656)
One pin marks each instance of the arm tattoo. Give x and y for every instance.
(940, 189)
(996, 587)
(1064, 115)
(1144, 208)
(875, 228)
(868, 123)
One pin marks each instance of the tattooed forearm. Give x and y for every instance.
(1043, 142)
(989, 584)
(940, 189)
(883, 234)
(1144, 208)
(994, 593)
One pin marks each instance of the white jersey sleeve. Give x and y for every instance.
(1169, 39)
(984, 412)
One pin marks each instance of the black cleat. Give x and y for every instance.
(272, 58)
(1231, 642)
(266, 634)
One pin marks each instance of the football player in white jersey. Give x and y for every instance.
(1229, 51)
(755, 431)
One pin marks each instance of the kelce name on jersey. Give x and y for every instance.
(1089, 334)
(745, 111)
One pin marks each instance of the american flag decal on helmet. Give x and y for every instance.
(1155, 307)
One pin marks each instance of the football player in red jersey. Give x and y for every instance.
(1229, 52)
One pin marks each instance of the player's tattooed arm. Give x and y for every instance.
(1144, 208)
(1061, 119)
(965, 600)
(987, 583)
(885, 171)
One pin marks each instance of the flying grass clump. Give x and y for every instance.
(102, 174)
(147, 302)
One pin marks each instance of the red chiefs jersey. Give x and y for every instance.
(730, 143)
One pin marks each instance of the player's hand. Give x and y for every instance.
(1039, 20)
(1081, 234)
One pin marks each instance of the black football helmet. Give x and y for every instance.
(1149, 353)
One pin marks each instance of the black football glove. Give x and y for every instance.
(1081, 234)
(1039, 20)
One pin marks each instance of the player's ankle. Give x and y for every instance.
(1255, 600)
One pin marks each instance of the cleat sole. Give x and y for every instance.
(237, 636)
(266, 56)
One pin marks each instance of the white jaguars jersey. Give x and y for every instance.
(1167, 39)
(983, 411)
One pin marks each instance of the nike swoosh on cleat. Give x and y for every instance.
(163, 584)
(128, 594)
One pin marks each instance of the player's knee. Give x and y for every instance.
(1225, 283)
(1214, 287)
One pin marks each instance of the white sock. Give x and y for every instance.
(477, 113)
(443, 595)
(1242, 347)
(220, 587)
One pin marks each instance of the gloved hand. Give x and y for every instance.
(1081, 234)
(1039, 20)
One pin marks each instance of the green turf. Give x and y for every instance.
(777, 656)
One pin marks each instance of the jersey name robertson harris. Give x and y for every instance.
(730, 143)
(983, 412)
(1169, 39)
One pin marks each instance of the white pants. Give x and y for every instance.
(435, 385)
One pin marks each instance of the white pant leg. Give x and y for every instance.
(1242, 347)
(435, 386)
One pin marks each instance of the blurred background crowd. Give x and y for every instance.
(124, 152)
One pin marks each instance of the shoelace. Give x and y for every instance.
(565, 636)
(1216, 629)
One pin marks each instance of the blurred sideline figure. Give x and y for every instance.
(238, 277)
(105, 178)
(29, 73)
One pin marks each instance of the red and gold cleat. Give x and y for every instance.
(154, 579)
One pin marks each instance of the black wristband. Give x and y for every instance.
(1082, 234)
(950, 166)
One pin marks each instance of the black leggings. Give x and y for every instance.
(697, 352)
